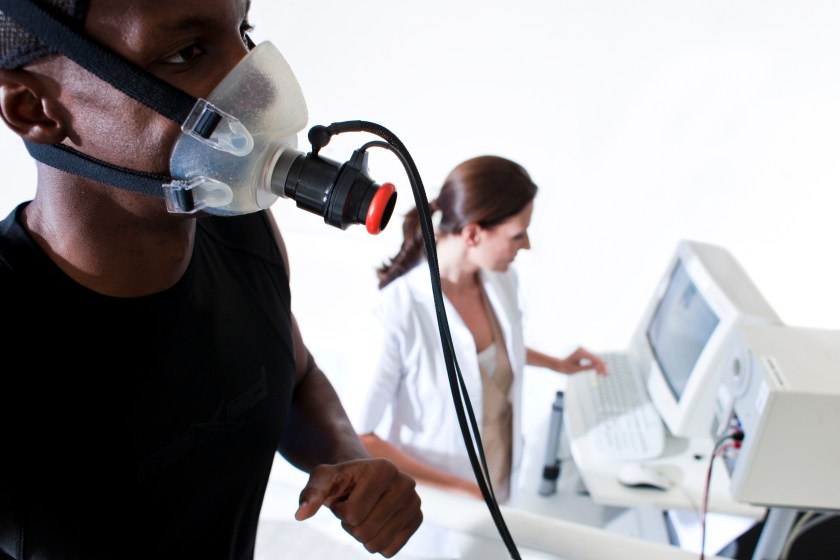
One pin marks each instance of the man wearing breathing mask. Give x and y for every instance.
(145, 290)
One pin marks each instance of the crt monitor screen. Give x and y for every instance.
(679, 329)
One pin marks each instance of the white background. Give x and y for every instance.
(642, 122)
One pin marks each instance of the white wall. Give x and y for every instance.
(643, 123)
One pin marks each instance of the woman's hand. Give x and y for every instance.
(582, 360)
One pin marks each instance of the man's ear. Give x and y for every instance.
(25, 109)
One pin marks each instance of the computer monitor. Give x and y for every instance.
(702, 297)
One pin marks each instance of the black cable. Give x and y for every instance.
(319, 137)
(737, 436)
(447, 340)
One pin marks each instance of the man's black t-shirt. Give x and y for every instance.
(142, 427)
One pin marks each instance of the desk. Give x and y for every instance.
(685, 462)
(463, 525)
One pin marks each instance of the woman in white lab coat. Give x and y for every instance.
(402, 407)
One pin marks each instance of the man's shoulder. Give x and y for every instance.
(10, 224)
(21, 275)
(15, 243)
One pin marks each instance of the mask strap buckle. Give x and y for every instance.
(188, 197)
(217, 129)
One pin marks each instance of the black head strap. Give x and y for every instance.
(158, 95)
(75, 162)
(151, 91)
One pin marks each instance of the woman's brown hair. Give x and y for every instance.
(485, 190)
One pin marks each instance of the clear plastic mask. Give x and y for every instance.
(262, 109)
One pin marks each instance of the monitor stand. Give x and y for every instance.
(776, 528)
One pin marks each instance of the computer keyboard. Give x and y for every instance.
(618, 411)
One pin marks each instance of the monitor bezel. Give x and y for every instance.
(736, 300)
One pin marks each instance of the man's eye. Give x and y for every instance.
(244, 29)
(184, 55)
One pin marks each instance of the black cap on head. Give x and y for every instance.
(19, 47)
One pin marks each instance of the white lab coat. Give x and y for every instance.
(400, 388)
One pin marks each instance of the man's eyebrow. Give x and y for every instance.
(165, 32)
(187, 23)
(190, 23)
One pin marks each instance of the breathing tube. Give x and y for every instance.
(319, 136)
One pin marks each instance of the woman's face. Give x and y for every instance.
(495, 248)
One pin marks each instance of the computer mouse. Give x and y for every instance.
(639, 475)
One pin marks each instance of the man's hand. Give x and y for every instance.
(376, 502)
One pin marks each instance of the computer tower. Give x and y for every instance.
(781, 388)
